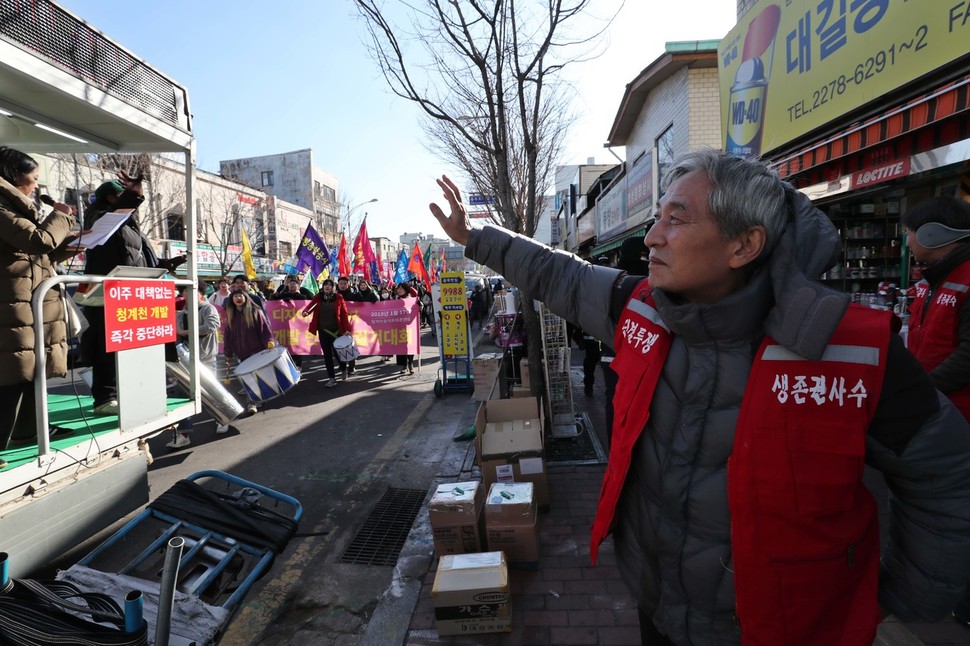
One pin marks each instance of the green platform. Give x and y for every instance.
(75, 412)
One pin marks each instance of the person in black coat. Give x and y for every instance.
(127, 247)
(292, 292)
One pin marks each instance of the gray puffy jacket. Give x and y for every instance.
(672, 535)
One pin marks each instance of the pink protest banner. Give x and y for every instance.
(385, 327)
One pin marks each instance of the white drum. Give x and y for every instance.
(345, 348)
(268, 374)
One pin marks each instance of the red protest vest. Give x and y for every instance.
(805, 537)
(933, 325)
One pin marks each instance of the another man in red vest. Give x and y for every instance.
(938, 234)
(749, 399)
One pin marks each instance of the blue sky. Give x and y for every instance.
(266, 78)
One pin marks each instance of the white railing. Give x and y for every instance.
(40, 350)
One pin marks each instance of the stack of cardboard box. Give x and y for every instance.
(510, 444)
(489, 376)
(471, 591)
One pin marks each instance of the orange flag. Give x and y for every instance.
(416, 266)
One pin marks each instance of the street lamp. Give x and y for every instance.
(350, 211)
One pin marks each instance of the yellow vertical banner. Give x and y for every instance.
(454, 314)
(247, 257)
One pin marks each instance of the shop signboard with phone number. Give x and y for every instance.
(138, 313)
(454, 315)
(791, 66)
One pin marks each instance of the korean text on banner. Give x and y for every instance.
(790, 67)
(313, 252)
(454, 317)
(385, 327)
(138, 313)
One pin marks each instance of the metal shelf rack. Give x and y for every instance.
(559, 392)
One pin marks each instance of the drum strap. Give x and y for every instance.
(330, 333)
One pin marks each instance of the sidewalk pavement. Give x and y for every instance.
(566, 600)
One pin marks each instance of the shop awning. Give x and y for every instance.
(616, 242)
(942, 103)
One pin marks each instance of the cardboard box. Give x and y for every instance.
(520, 391)
(511, 524)
(471, 594)
(488, 376)
(509, 436)
(455, 511)
(507, 302)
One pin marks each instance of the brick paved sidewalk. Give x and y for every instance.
(564, 601)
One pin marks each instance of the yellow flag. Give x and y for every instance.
(247, 256)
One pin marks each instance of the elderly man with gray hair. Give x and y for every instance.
(750, 397)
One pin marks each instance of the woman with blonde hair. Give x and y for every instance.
(247, 330)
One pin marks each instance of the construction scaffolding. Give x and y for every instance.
(559, 392)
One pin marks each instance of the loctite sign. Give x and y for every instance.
(881, 173)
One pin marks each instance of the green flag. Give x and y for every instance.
(427, 258)
(310, 282)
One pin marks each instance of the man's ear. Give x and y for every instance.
(748, 247)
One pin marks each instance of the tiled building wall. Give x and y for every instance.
(667, 105)
(705, 109)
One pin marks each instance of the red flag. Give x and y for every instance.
(343, 264)
(416, 266)
(364, 253)
(360, 264)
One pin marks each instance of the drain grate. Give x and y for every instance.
(380, 539)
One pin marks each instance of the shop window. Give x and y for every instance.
(665, 156)
(174, 226)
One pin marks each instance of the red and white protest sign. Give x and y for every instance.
(138, 313)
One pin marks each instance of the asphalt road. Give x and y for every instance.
(336, 450)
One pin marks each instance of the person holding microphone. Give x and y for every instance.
(30, 245)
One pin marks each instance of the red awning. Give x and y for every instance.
(932, 108)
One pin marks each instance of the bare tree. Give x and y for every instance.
(223, 217)
(485, 77)
(163, 213)
(85, 172)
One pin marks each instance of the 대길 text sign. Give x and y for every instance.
(138, 313)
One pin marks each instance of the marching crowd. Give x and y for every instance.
(32, 246)
(246, 328)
